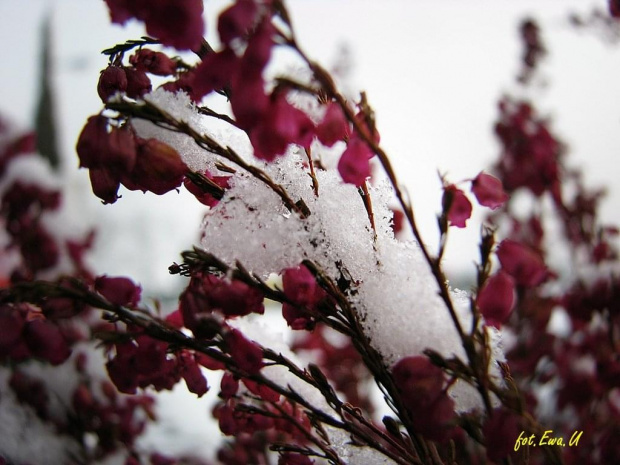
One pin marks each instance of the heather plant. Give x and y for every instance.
(298, 190)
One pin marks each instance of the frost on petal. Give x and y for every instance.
(488, 191)
(496, 298)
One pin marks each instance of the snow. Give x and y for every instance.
(393, 289)
(24, 436)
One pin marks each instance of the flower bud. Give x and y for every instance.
(104, 185)
(153, 62)
(111, 80)
(158, 169)
(501, 430)
(191, 373)
(235, 21)
(228, 386)
(246, 354)
(92, 140)
(214, 73)
(118, 290)
(488, 191)
(138, 83)
(354, 166)
(496, 298)
(334, 126)
(46, 341)
(522, 263)
(456, 205)
(300, 286)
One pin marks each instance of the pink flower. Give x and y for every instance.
(98, 148)
(249, 101)
(458, 206)
(417, 377)
(261, 390)
(501, 430)
(153, 62)
(297, 318)
(522, 263)
(30, 391)
(334, 126)
(138, 83)
(11, 325)
(496, 298)
(112, 80)
(246, 354)
(122, 11)
(118, 290)
(93, 143)
(46, 341)
(38, 248)
(205, 197)
(420, 384)
(488, 191)
(177, 23)
(281, 125)
(234, 298)
(104, 185)
(194, 307)
(228, 386)
(158, 169)
(150, 356)
(300, 286)
(192, 374)
(360, 117)
(258, 51)
(235, 21)
(214, 73)
(354, 164)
